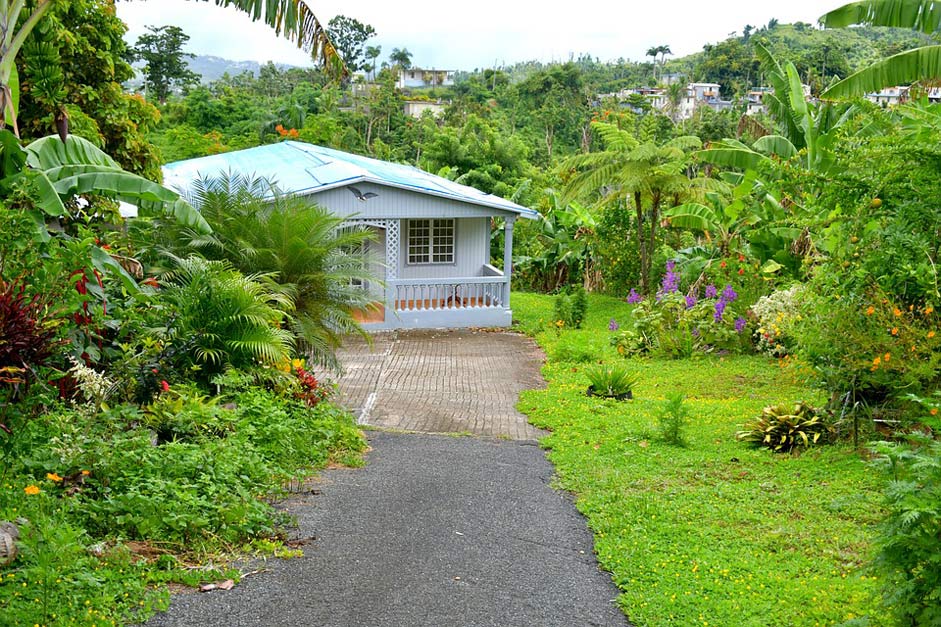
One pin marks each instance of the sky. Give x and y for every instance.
(484, 33)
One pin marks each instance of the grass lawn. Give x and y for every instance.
(715, 533)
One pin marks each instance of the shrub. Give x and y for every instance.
(571, 307)
(776, 315)
(672, 419)
(611, 380)
(225, 318)
(678, 326)
(27, 335)
(870, 346)
(783, 428)
(909, 539)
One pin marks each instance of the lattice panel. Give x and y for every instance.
(392, 249)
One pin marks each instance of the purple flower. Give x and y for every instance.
(696, 332)
(720, 309)
(671, 265)
(690, 301)
(728, 294)
(633, 298)
(740, 323)
(711, 291)
(613, 325)
(671, 282)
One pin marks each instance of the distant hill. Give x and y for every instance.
(212, 68)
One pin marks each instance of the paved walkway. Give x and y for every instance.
(442, 381)
(435, 531)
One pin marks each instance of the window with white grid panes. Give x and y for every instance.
(430, 241)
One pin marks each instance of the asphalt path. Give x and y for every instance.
(434, 531)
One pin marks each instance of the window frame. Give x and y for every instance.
(429, 252)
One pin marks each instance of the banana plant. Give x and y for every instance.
(742, 217)
(53, 171)
(911, 66)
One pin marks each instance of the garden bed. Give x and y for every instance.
(715, 532)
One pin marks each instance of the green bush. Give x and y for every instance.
(869, 346)
(571, 307)
(783, 428)
(909, 539)
(673, 418)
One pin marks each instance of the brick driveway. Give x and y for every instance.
(444, 381)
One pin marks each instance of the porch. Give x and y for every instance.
(476, 296)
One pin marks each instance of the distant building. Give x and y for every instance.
(889, 96)
(415, 108)
(418, 77)
(697, 95)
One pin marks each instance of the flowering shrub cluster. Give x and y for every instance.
(870, 347)
(776, 315)
(678, 324)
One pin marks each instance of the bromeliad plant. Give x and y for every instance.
(611, 381)
(783, 428)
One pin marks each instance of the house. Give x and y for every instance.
(415, 108)
(889, 96)
(417, 77)
(432, 236)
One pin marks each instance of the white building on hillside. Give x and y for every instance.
(417, 77)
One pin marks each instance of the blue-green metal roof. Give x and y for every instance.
(303, 169)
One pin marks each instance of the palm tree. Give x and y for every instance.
(675, 94)
(662, 51)
(647, 175)
(906, 67)
(296, 244)
(293, 18)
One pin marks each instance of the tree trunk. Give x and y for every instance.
(652, 232)
(641, 244)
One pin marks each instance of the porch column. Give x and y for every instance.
(508, 256)
(392, 265)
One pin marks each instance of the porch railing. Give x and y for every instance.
(479, 292)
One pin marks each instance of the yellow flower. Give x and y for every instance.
(53, 476)
(930, 334)
(297, 363)
(31, 490)
(897, 312)
(560, 323)
(877, 361)
(887, 357)
(86, 472)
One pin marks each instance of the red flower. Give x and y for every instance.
(722, 264)
(741, 270)
(164, 386)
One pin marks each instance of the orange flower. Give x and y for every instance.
(934, 411)
(897, 312)
(930, 334)
(929, 310)
(887, 357)
(876, 361)
(53, 476)
(870, 310)
(31, 490)
(895, 330)
(86, 472)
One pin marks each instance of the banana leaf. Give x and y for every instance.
(906, 67)
(923, 15)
